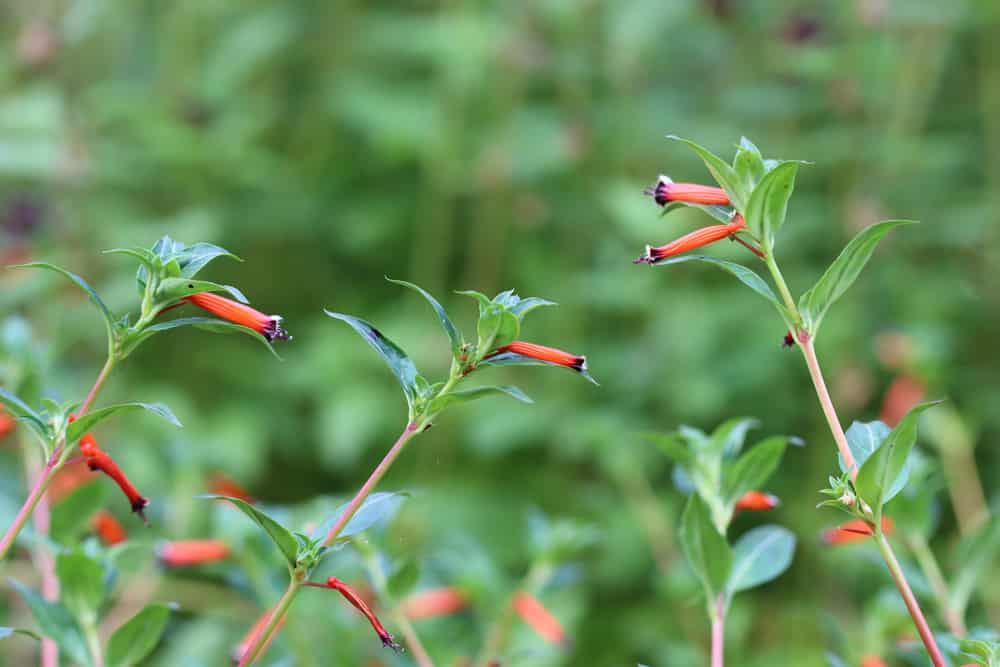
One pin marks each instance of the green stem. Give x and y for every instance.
(263, 638)
(89, 628)
(499, 632)
(911, 601)
(779, 280)
(932, 571)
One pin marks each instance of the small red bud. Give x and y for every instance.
(757, 501)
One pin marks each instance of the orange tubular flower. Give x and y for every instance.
(666, 191)
(538, 617)
(757, 501)
(99, 460)
(695, 239)
(268, 326)
(185, 553)
(362, 606)
(872, 661)
(7, 423)
(855, 530)
(107, 528)
(251, 635)
(549, 355)
(224, 485)
(433, 602)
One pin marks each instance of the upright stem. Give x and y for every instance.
(809, 352)
(911, 601)
(932, 571)
(718, 631)
(98, 383)
(263, 638)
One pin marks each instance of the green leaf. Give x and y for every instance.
(863, 438)
(137, 637)
(466, 395)
(984, 652)
(56, 623)
(842, 273)
(706, 551)
(376, 508)
(768, 203)
(172, 289)
(109, 318)
(400, 364)
(6, 632)
(81, 583)
(723, 214)
(71, 515)
(759, 556)
(522, 307)
(204, 323)
(196, 257)
(748, 164)
(753, 468)
(403, 578)
(23, 412)
(727, 439)
(876, 482)
(724, 175)
(281, 536)
(454, 337)
(671, 445)
(85, 423)
(145, 256)
(746, 276)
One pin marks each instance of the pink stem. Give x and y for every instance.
(34, 497)
(809, 352)
(47, 569)
(718, 631)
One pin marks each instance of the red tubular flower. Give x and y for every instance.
(665, 191)
(107, 528)
(433, 602)
(268, 326)
(855, 530)
(240, 649)
(224, 485)
(538, 617)
(362, 606)
(757, 501)
(904, 392)
(99, 460)
(542, 353)
(695, 239)
(7, 423)
(185, 553)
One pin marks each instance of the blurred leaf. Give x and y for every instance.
(137, 637)
(984, 652)
(746, 276)
(281, 536)
(378, 507)
(75, 430)
(466, 395)
(768, 203)
(56, 623)
(842, 273)
(95, 298)
(721, 171)
(23, 412)
(454, 337)
(71, 515)
(81, 583)
(975, 555)
(172, 289)
(706, 551)
(672, 446)
(204, 323)
(404, 578)
(759, 556)
(877, 480)
(400, 364)
(728, 438)
(6, 632)
(751, 470)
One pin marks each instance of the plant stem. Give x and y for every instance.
(98, 383)
(932, 571)
(779, 280)
(718, 631)
(420, 654)
(93, 642)
(911, 601)
(263, 638)
(825, 402)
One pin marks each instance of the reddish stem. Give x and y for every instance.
(718, 631)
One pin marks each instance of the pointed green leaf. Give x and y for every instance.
(728, 438)
(173, 289)
(863, 438)
(522, 307)
(706, 551)
(768, 203)
(146, 257)
(842, 273)
(56, 623)
(24, 413)
(281, 536)
(746, 276)
(376, 508)
(109, 318)
(400, 364)
(671, 445)
(877, 477)
(6, 632)
(454, 337)
(204, 323)
(466, 395)
(194, 258)
(748, 164)
(759, 556)
(137, 637)
(75, 430)
(751, 470)
(724, 175)
(81, 583)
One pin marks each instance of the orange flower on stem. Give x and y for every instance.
(7, 423)
(757, 501)
(185, 553)
(666, 191)
(549, 355)
(268, 326)
(107, 528)
(251, 634)
(433, 602)
(538, 617)
(693, 240)
(362, 606)
(855, 530)
(222, 484)
(100, 460)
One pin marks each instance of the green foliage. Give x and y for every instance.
(725, 175)
(76, 429)
(81, 584)
(759, 556)
(752, 469)
(280, 536)
(56, 623)
(137, 637)
(705, 549)
(768, 205)
(377, 508)
(454, 335)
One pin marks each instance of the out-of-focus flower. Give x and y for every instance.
(696, 239)
(107, 528)
(433, 602)
(538, 617)
(268, 326)
(855, 530)
(237, 653)
(872, 661)
(665, 191)
(7, 423)
(36, 44)
(757, 501)
(904, 392)
(186, 553)
(358, 603)
(222, 484)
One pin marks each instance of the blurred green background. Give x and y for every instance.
(491, 146)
